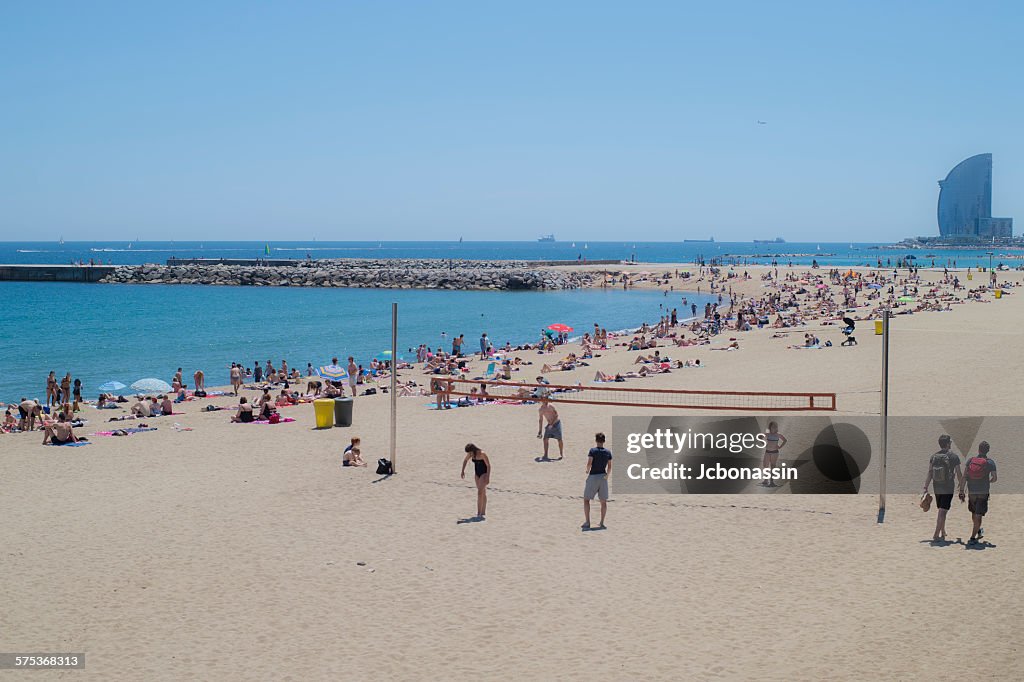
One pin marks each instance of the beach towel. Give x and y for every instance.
(76, 444)
(127, 431)
(285, 420)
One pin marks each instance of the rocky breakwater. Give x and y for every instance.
(381, 274)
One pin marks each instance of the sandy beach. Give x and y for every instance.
(233, 551)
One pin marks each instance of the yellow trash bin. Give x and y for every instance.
(878, 327)
(999, 293)
(970, 276)
(324, 410)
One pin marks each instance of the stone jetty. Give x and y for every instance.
(364, 273)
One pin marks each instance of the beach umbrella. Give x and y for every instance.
(111, 386)
(559, 327)
(906, 299)
(151, 386)
(874, 286)
(332, 372)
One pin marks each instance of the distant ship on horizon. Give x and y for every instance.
(546, 238)
(699, 241)
(777, 240)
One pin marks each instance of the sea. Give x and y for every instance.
(125, 333)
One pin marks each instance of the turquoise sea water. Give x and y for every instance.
(827, 253)
(128, 332)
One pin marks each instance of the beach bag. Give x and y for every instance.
(200, 394)
(942, 471)
(926, 502)
(384, 467)
(977, 469)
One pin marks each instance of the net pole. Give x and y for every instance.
(394, 383)
(884, 415)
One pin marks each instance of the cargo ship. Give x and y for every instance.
(546, 238)
(777, 240)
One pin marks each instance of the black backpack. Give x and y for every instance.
(384, 467)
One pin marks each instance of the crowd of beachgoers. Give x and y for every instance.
(786, 301)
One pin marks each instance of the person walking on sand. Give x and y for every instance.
(944, 475)
(236, 377)
(483, 346)
(482, 469)
(553, 429)
(979, 475)
(599, 468)
(774, 441)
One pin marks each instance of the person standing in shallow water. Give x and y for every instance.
(482, 471)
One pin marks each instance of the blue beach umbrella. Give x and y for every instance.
(332, 372)
(874, 286)
(151, 386)
(386, 355)
(111, 386)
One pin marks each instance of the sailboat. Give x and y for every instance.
(61, 240)
(460, 240)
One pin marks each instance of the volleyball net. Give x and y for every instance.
(621, 396)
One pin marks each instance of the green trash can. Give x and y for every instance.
(343, 411)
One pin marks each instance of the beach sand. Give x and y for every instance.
(238, 551)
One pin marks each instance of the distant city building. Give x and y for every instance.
(965, 202)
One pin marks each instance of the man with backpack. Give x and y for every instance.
(943, 474)
(979, 474)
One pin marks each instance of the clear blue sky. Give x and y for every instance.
(431, 120)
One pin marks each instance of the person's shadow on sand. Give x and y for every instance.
(940, 543)
(547, 459)
(982, 544)
(471, 519)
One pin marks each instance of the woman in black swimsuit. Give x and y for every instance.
(482, 465)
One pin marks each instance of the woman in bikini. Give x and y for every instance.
(482, 466)
(51, 389)
(775, 442)
(65, 388)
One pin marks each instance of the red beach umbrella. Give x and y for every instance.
(559, 327)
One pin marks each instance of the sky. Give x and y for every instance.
(501, 121)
